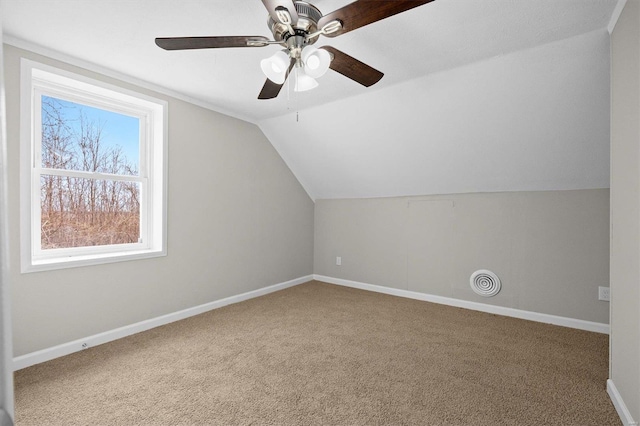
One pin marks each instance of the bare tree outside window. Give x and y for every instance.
(86, 211)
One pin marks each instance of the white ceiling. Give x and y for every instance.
(478, 95)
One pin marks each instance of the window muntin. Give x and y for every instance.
(93, 171)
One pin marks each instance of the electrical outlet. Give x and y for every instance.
(604, 294)
(338, 261)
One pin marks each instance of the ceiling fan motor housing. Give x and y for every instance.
(308, 17)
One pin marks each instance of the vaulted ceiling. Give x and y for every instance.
(478, 95)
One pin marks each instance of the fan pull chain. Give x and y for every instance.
(288, 87)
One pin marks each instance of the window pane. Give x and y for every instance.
(78, 212)
(80, 137)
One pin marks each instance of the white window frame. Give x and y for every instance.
(39, 79)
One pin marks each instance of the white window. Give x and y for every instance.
(93, 171)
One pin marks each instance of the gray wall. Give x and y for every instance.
(238, 220)
(550, 248)
(625, 207)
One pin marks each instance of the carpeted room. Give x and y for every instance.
(318, 353)
(502, 164)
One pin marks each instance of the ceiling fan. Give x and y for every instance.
(296, 25)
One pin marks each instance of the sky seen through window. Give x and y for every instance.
(117, 129)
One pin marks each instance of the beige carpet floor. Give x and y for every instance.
(323, 354)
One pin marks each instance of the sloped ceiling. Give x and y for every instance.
(533, 120)
(491, 95)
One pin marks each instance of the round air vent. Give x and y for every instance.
(485, 283)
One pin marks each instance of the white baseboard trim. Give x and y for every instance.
(43, 355)
(618, 403)
(492, 309)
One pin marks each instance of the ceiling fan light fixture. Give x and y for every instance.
(275, 66)
(316, 61)
(303, 81)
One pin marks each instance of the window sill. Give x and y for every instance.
(88, 260)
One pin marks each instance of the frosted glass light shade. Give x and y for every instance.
(275, 66)
(316, 61)
(304, 82)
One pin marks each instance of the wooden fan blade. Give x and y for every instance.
(270, 89)
(365, 12)
(181, 43)
(352, 68)
(271, 6)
